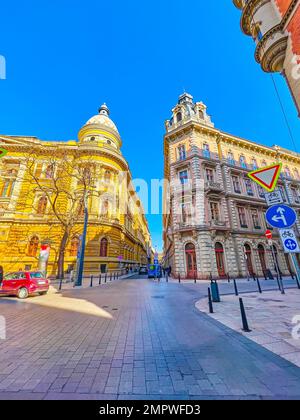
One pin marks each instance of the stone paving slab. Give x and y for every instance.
(270, 317)
(133, 339)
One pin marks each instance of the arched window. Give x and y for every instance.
(201, 114)
(75, 242)
(103, 248)
(179, 117)
(105, 208)
(33, 246)
(42, 206)
(262, 257)
(296, 174)
(249, 262)
(107, 176)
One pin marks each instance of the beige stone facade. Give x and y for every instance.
(275, 28)
(218, 226)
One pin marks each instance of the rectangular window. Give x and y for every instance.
(282, 190)
(8, 188)
(255, 219)
(38, 171)
(215, 211)
(236, 184)
(249, 187)
(295, 195)
(242, 217)
(184, 177)
(261, 191)
(181, 152)
(210, 176)
(206, 151)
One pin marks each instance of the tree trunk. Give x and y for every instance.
(61, 257)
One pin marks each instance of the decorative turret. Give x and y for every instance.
(186, 110)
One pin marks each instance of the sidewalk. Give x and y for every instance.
(270, 317)
(87, 282)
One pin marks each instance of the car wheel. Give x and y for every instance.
(23, 293)
(43, 293)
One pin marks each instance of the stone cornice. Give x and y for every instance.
(223, 137)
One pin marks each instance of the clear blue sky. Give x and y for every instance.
(65, 58)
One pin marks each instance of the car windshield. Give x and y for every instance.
(37, 275)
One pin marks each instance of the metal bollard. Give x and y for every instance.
(235, 287)
(282, 286)
(195, 280)
(106, 278)
(297, 280)
(210, 304)
(228, 277)
(92, 280)
(110, 276)
(244, 317)
(167, 278)
(259, 286)
(179, 278)
(100, 280)
(60, 284)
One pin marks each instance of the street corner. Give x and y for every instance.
(273, 320)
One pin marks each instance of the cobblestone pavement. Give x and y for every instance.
(133, 339)
(270, 316)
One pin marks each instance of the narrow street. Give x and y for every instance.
(133, 339)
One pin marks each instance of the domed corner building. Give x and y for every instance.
(45, 190)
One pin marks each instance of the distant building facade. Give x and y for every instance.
(214, 214)
(116, 239)
(275, 27)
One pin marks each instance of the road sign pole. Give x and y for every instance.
(277, 270)
(296, 269)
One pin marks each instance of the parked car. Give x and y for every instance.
(23, 284)
(143, 270)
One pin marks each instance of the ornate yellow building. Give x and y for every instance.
(43, 188)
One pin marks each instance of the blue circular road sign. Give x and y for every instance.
(281, 216)
(290, 244)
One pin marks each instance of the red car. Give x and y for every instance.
(23, 284)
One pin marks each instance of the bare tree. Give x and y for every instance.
(57, 186)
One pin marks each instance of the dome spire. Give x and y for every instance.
(104, 110)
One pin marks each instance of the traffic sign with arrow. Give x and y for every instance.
(267, 177)
(281, 217)
(289, 241)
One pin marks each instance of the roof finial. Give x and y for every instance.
(104, 110)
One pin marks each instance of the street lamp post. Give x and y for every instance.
(79, 279)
